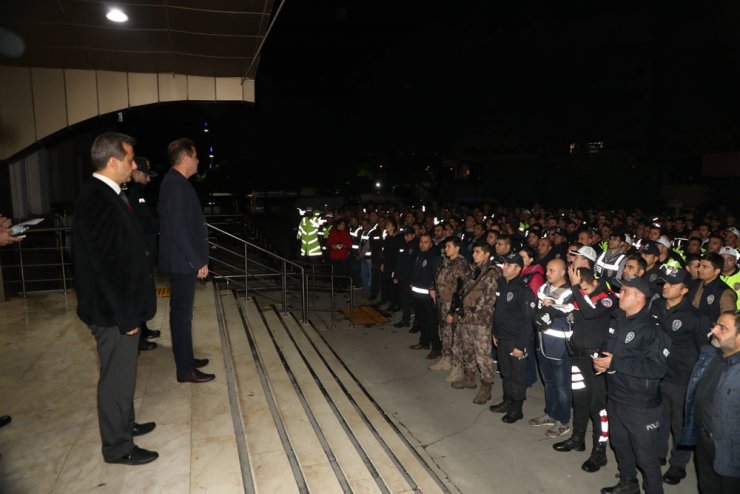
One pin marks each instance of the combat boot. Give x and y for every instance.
(502, 407)
(597, 458)
(514, 413)
(443, 364)
(456, 373)
(467, 381)
(574, 442)
(484, 393)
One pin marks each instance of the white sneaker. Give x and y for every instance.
(557, 430)
(541, 420)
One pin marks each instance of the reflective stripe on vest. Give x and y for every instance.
(557, 333)
(423, 291)
(602, 265)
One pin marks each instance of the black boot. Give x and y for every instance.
(514, 413)
(502, 407)
(597, 458)
(628, 487)
(574, 442)
(401, 324)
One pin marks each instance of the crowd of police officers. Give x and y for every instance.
(613, 307)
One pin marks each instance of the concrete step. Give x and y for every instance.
(307, 424)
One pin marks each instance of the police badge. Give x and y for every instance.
(710, 299)
(630, 337)
(424, 263)
(509, 297)
(676, 325)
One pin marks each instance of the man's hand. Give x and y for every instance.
(5, 223)
(433, 294)
(575, 277)
(602, 364)
(6, 238)
(517, 353)
(133, 332)
(203, 272)
(495, 341)
(449, 318)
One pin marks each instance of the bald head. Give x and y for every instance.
(555, 273)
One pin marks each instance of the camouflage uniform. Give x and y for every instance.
(475, 327)
(446, 281)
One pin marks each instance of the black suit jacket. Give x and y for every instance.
(112, 265)
(183, 234)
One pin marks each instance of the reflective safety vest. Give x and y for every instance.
(355, 235)
(308, 233)
(602, 265)
(733, 281)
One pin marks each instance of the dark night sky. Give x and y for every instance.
(346, 82)
(341, 78)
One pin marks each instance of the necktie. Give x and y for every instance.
(125, 199)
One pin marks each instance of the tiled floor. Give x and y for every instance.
(48, 374)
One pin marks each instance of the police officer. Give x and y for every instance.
(649, 251)
(512, 335)
(150, 224)
(688, 329)
(475, 322)
(635, 361)
(594, 303)
(610, 263)
(424, 297)
(730, 273)
(403, 274)
(450, 277)
(709, 293)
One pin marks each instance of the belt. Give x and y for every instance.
(557, 333)
(419, 290)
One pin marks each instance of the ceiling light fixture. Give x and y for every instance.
(116, 15)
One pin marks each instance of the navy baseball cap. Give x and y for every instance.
(513, 258)
(639, 284)
(143, 165)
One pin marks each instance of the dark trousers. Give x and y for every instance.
(404, 292)
(674, 396)
(513, 374)
(589, 397)
(709, 481)
(532, 361)
(375, 282)
(556, 378)
(340, 268)
(118, 354)
(426, 319)
(182, 287)
(633, 433)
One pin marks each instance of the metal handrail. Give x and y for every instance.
(284, 271)
(332, 304)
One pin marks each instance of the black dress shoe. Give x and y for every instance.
(199, 362)
(151, 333)
(5, 420)
(146, 345)
(628, 487)
(418, 346)
(414, 329)
(433, 354)
(141, 429)
(196, 376)
(401, 324)
(674, 475)
(137, 456)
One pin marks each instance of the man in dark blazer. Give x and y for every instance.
(115, 292)
(183, 254)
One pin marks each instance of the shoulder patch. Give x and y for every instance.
(676, 325)
(630, 337)
(607, 302)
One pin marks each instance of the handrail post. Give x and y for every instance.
(285, 288)
(351, 304)
(23, 272)
(304, 297)
(331, 297)
(246, 287)
(60, 243)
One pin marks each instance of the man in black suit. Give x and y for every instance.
(115, 292)
(183, 253)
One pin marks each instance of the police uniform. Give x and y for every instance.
(512, 327)
(640, 350)
(403, 273)
(687, 329)
(422, 282)
(447, 278)
(478, 300)
(708, 297)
